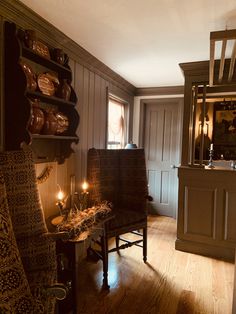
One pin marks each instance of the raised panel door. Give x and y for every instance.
(161, 142)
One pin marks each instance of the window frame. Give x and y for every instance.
(126, 105)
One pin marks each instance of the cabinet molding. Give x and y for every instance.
(200, 212)
(165, 90)
(206, 212)
(229, 215)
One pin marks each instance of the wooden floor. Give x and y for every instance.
(171, 281)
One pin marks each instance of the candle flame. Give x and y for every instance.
(85, 186)
(60, 195)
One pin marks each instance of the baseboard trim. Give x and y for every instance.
(223, 253)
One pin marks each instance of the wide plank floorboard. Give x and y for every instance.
(171, 282)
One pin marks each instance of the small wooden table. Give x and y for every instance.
(69, 254)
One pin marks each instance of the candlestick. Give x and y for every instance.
(211, 153)
(60, 200)
(72, 191)
(60, 196)
(84, 196)
(85, 186)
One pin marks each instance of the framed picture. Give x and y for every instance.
(224, 130)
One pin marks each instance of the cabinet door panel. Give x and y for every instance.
(200, 213)
(230, 215)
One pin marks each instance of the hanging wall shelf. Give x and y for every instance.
(39, 99)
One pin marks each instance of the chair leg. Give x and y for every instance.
(104, 242)
(117, 241)
(145, 244)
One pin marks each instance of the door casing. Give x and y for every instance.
(143, 108)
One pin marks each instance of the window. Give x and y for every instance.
(117, 123)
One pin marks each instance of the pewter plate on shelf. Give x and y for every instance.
(41, 49)
(62, 123)
(45, 84)
(54, 78)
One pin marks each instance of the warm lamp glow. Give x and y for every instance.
(60, 195)
(61, 200)
(84, 195)
(85, 186)
(204, 128)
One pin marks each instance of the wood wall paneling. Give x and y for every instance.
(91, 101)
(60, 175)
(91, 80)
(92, 107)
(84, 123)
(103, 114)
(96, 136)
(78, 83)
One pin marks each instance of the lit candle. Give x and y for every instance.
(60, 195)
(84, 186)
(211, 146)
(60, 200)
(84, 196)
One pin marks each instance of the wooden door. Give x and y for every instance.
(162, 148)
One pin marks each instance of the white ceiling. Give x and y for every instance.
(143, 41)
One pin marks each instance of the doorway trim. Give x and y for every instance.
(179, 101)
(143, 105)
